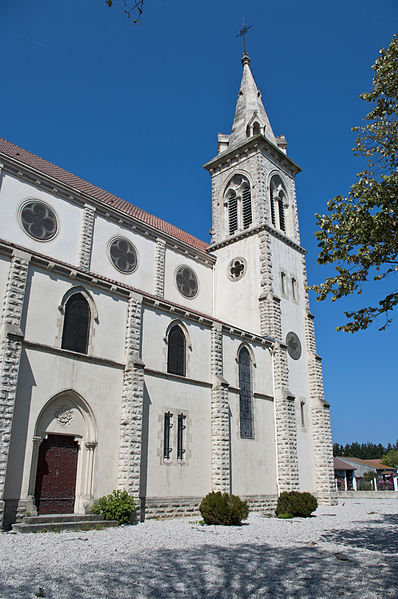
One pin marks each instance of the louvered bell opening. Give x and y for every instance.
(282, 222)
(247, 208)
(233, 215)
(272, 211)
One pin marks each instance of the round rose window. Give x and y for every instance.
(236, 269)
(187, 282)
(123, 255)
(39, 220)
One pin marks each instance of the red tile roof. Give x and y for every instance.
(340, 465)
(374, 463)
(47, 168)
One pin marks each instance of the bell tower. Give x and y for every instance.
(260, 283)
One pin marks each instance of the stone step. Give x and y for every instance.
(54, 518)
(64, 525)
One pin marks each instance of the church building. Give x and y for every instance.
(135, 356)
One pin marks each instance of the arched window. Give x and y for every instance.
(278, 198)
(176, 351)
(239, 204)
(76, 324)
(256, 128)
(245, 395)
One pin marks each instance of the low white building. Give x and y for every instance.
(138, 357)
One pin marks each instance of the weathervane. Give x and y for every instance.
(242, 34)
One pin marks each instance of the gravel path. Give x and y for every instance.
(349, 550)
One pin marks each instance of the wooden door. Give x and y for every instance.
(56, 475)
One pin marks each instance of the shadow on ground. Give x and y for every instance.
(380, 535)
(215, 572)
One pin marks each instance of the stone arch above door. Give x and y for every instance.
(67, 413)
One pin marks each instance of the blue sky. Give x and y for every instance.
(136, 110)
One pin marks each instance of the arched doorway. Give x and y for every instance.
(61, 480)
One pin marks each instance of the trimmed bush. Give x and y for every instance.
(118, 505)
(222, 508)
(294, 503)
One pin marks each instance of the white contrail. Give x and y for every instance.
(29, 39)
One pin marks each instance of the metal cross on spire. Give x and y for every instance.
(242, 34)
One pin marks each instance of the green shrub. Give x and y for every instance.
(119, 505)
(364, 485)
(296, 504)
(221, 508)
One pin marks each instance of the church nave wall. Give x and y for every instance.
(174, 477)
(45, 314)
(154, 340)
(141, 276)
(64, 245)
(45, 375)
(201, 296)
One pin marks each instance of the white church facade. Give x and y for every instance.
(136, 356)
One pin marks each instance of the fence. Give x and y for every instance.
(360, 484)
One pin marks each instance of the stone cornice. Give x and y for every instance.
(66, 353)
(245, 149)
(255, 231)
(54, 186)
(176, 377)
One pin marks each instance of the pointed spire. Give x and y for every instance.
(250, 116)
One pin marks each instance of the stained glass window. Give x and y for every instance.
(76, 324)
(176, 351)
(123, 255)
(245, 395)
(187, 282)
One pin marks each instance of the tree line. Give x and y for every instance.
(363, 451)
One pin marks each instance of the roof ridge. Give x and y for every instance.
(109, 199)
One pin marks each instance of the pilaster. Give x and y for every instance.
(284, 402)
(132, 400)
(11, 337)
(220, 435)
(158, 278)
(86, 236)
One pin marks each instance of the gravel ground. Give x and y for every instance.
(349, 550)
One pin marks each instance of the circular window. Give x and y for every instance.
(236, 269)
(293, 345)
(38, 220)
(123, 255)
(187, 281)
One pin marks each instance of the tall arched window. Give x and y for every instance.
(76, 324)
(245, 395)
(278, 199)
(239, 204)
(176, 351)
